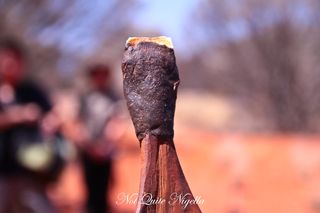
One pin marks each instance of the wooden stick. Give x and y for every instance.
(150, 82)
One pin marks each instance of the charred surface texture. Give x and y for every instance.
(150, 88)
(150, 81)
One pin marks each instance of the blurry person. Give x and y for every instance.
(98, 112)
(24, 120)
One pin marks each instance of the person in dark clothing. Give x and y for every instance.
(23, 108)
(26, 107)
(98, 110)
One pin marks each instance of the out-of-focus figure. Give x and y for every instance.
(97, 146)
(28, 157)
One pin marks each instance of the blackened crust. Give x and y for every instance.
(150, 81)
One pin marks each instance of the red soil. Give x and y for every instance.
(231, 173)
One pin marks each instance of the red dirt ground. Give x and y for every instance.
(233, 173)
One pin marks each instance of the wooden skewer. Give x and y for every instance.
(150, 82)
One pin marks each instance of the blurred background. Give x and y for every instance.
(248, 109)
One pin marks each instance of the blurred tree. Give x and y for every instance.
(60, 35)
(267, 54)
